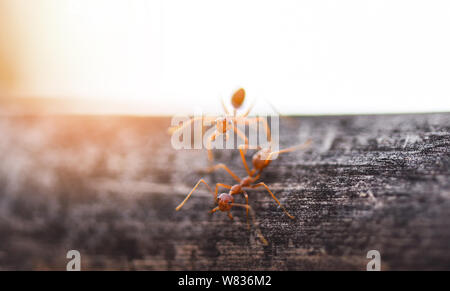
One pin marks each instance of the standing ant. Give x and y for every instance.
(227, 123)
(225, 201)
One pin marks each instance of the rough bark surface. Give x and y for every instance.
(108, 186)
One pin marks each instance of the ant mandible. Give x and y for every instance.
(227, 123)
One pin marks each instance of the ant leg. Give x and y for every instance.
(264, 122)
(258, 231)
(174, 129)
(294, 148)
(240, 134)
(249, 109)
(214, 209)
(192, 191)
(224, 107)
(288, 150)
(223, 166)
(244, 161)
(217, 189)
(230, 215)
(246, 210)
(273, 196)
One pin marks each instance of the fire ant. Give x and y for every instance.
(225, 201)
(227, 123)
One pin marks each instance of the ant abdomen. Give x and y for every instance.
(259, 160)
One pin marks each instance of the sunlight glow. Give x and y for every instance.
(172, 56)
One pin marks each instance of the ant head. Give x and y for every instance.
(238, 98)
(225, 201)
(259, 159)
(223, 124)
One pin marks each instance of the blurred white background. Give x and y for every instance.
(174, 56)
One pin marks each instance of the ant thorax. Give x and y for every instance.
(236, 189)
(247, 181)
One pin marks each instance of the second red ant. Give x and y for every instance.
(225, 201)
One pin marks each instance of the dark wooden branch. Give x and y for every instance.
(108, 186)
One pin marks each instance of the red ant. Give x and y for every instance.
(228, 123)
(225, 201)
